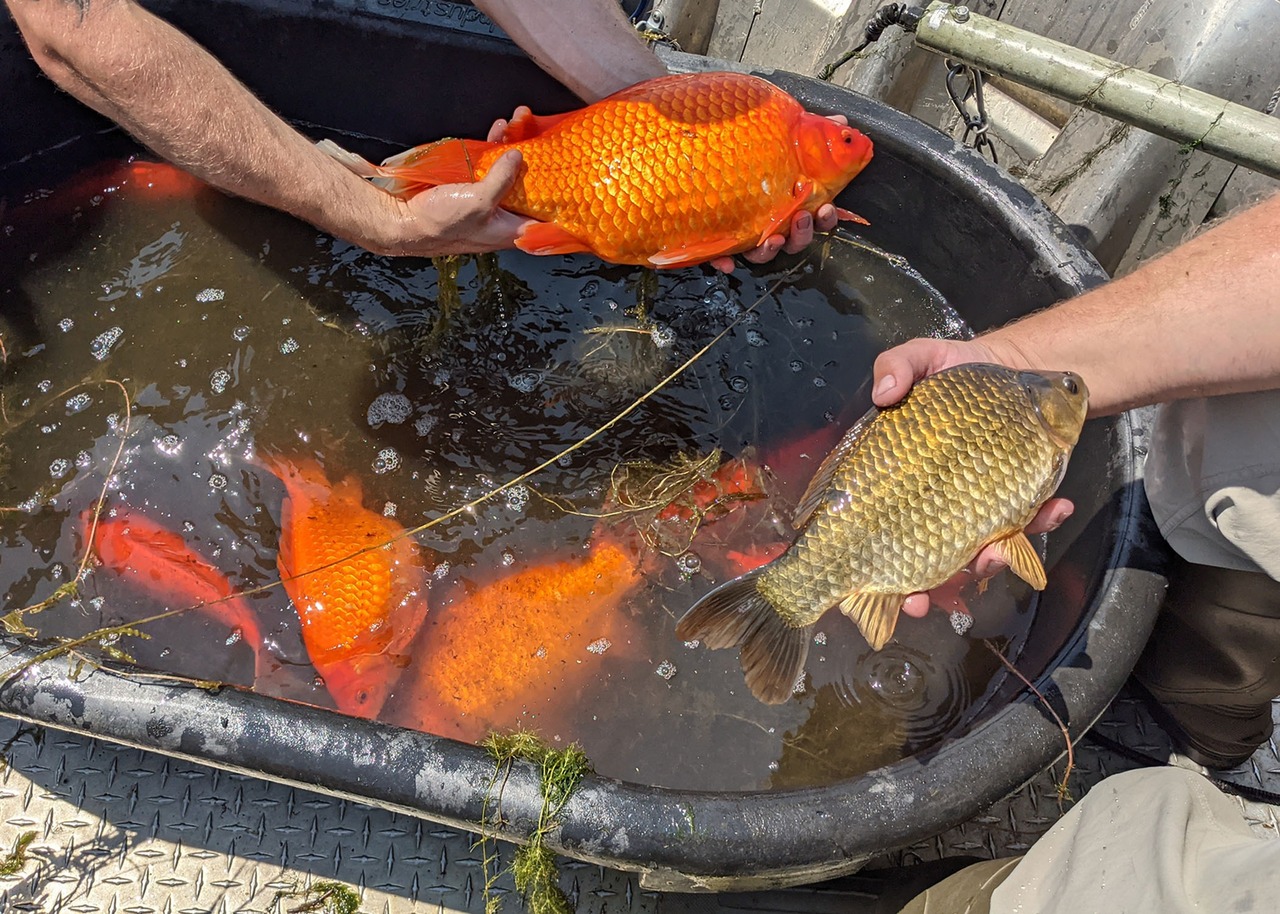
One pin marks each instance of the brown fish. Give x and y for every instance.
(902, 503)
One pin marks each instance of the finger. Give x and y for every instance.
(767, 251)
(839, 119)
(497, 130)
(916, 605)
(723, 264)
(498, 181)
(898, 368)
(801, 233)
(1052, 515)
(826, 218)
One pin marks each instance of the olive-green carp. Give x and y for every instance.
(905, 500)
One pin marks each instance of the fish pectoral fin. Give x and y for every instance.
(875, 614)
(543, 238)
(845, 215)
(528, 125)
(1022, 557)
(824, 477)
(800, 195)
(686, 255)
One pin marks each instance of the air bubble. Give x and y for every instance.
(599, 646)
(517, 497)
(170, 445)
(756, 338)
(689, 564)
(44, 386)
(662, 336)
(591, 289)
(739, 384)
(388, 459)
(525, 381)
(83, 460)
(59, 468)
(240, 334)
(508, 558)
(389, 509)
(102, 343)
(424, 425)
(219, 380)
(820, 638)
(78, 403)
(441, 571)
(666, 669)
(391, 409)
(66, 324)
(796, 365)
(289, 346)
(208, 295)
(819, 382)
(217, 481)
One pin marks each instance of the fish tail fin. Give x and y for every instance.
(449, 161)
(737, 614)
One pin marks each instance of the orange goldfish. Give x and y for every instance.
(159, 562)
(669, 172)
(358, 613)
(514, 641)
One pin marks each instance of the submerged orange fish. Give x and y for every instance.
(666, 173)
(159, 562)
(513, 643)
(358, 613)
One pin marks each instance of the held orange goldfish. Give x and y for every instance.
(159, 562)
(514, 642)
(358, 612)
(669, 172)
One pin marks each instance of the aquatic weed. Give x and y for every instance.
(534, 869)
(324, 897)
(17, 858)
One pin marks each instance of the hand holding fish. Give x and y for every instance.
(896, 370)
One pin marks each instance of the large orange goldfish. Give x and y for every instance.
(159, 562)
(359, 611)
(510, 644)
(669, 172)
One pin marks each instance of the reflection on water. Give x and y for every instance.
(239, 332)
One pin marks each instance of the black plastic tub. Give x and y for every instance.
(418, 69)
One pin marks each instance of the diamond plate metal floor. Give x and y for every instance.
(122, 831)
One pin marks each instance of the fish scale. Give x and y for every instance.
(902, 504)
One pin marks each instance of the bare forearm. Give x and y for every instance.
(1202, 320)
(589, 45)
(177, 99)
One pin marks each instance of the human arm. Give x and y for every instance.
(173, 96)
(1202, 320)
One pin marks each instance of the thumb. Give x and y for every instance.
(499, 180)
(898, 368)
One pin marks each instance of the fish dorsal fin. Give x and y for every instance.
(800, 195)
(526, 125)
(548, 238)
(815, 492)
(875, 614)
(1022, 557)
(685, 255)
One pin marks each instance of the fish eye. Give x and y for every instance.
(1069, 382)
(848, 138)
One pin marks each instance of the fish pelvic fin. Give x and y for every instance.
(543, 238)
(737, 614)
(875, 614)
(1023, 559)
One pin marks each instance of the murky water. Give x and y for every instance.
(234, 329)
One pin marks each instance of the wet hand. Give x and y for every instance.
(460, 218)
(800, 236)
(896, 370)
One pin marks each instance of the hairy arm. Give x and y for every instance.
(172, 95)
(589, 46)
(1202, 320)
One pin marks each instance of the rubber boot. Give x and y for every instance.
(1212, 665)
